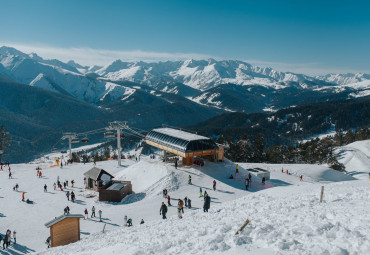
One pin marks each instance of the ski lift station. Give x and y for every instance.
(184, 144)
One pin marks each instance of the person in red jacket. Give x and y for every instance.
(214, 185)
(169, 200)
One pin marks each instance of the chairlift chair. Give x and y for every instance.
(54, 150)
(109, 135)
(64, 152)
(85, 140)
(75, 140)
(122, 135)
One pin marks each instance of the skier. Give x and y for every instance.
(100, 212)
(246, 184)
(207, 203)
(169, 200)
(189, 179)
(45, 188)
(214, 185)
(301, 178)
(23, 196)
(73, 183)
(73, 196)
(67, 194)
(163, 211)
(129, 222)
(142, 221)
(180, 205)
(200, 191)
(86, 214)
(186, 201)
(263, 180)
(237, 169)
(93, 212)
(15, 237)
(189, 203)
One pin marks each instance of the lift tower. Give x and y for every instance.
(69, 136)
(118, 125)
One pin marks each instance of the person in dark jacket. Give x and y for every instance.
(207, 203)
(163, 210)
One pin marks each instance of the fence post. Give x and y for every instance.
(322, 193)
(104, 227)
(242, 227)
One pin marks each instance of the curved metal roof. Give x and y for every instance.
(180, 140)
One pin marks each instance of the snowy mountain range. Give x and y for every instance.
(35, 93)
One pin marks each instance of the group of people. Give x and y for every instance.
(300, 177)
(93, 213)
(128, 221)
(7, 238)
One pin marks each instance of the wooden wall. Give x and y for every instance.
(65, 232)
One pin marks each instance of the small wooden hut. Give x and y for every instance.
(64, 229)
(97, 178)
(115, 191)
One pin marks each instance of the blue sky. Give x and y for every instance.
(302, 36)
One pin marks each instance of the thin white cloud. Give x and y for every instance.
(89, 56)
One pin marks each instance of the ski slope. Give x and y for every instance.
(356, 158)
(286, 217)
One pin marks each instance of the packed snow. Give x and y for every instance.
(285, 214)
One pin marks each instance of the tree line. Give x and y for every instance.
(310, 152)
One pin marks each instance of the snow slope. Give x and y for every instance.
(284, 220)
(356, 158)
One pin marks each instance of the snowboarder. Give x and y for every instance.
(45, 188)
(301, 178)
(263, 180)
(207, 203)
(189, 179)
(169, 200)
(86, 214)
(100, 212)
(93, 212)
(189, 203)
(214, 185)
(163, 211)
(200, 191)
(67, 194)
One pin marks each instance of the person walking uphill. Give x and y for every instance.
(214, 185)
(93, 212)
(163, 211)
(45, 188)
(207, 203)
(190, 179)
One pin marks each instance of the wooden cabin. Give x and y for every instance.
(115, 191)
(97, 178)
(64, 229)
(184, 144)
